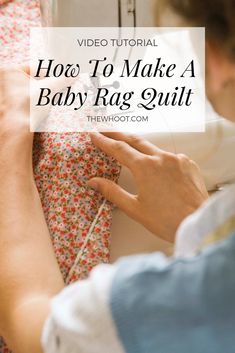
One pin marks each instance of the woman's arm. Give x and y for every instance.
(29, 273)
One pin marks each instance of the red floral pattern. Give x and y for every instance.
(78, 218)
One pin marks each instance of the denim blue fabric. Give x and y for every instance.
(177, 306)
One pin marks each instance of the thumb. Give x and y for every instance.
(115, 194)
(41, 113)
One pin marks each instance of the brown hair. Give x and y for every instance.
(218, 16)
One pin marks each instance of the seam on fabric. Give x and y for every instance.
(85, 241)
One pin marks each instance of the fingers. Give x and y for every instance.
(54, 84)
(29, 70)
(25, 69)
(57, 83)
(40, 113)
(135, 141)
(120, 150)
(115, 194)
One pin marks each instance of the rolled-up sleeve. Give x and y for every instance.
(80, 319)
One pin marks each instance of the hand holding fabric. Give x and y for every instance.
(170, 187)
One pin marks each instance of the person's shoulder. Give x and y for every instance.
(208, 234)
(213, 222)
(155, 300)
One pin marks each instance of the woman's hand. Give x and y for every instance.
(16, 89)
(170, 187)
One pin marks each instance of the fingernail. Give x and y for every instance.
(93, 184)
(94, 133)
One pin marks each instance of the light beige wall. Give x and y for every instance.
(101, 12)
(145, 13)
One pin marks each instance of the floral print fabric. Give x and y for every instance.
(78, 218)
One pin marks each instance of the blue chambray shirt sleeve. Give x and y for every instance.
(181, 306)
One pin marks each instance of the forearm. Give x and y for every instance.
(29, 274)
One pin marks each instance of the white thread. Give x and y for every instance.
(85, 241)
